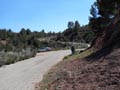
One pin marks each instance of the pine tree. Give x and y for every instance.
(103, 12)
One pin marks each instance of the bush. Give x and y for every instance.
(12, 57)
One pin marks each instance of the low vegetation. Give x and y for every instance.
(13, 44)
(83, 75)
(54, 73)
(12, 57)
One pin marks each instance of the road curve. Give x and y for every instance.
(25, 74)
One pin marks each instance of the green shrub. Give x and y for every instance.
(12, 57)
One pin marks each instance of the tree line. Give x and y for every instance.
(26, 38)
(76, 33)
(21, 40)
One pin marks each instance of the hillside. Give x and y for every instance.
(102, 74)
(99, 70)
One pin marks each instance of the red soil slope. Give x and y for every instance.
(99, 71)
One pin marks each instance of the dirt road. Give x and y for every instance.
(25, 74)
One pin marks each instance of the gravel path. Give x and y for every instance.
(25, 74)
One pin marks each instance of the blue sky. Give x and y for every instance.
(50, 15)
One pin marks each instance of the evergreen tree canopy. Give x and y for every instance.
(77, 25)
(103, 11)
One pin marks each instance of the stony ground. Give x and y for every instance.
(82, 74)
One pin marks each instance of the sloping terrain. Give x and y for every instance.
(98, 71)
(102, 74)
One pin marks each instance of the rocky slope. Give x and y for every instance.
(102, 74)
(98, 71)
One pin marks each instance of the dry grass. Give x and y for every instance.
(54, 73)
(103, 74)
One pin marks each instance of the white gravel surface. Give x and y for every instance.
(25, 74)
